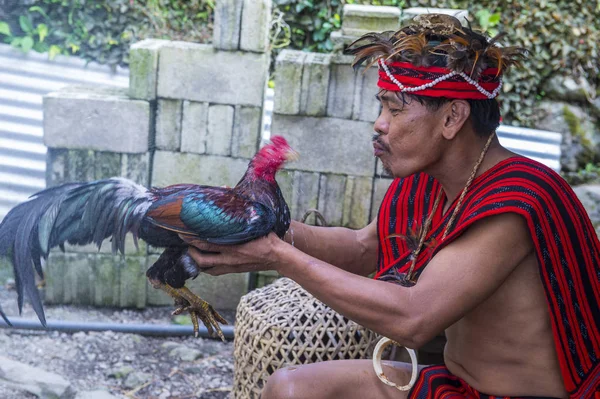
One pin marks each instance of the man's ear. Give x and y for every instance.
(456, 114)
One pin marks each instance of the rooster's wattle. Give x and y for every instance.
(83, 213)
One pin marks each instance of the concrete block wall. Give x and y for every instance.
(326, 109)
(192, 114)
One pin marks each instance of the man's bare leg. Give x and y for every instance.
(346, 379)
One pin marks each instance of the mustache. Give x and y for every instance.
(375, 139)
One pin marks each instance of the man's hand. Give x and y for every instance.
(256, 255)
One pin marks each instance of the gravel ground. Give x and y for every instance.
(126, 365)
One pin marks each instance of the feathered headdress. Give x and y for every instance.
(436, 56)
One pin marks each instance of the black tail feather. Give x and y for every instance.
(77, 213)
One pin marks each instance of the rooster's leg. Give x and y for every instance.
(187, 301)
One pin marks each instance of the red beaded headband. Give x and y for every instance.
(437, 81)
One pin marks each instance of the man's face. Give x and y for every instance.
(407, 138)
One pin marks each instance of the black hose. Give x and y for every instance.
(161, 330)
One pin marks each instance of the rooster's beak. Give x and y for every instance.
(292, 155)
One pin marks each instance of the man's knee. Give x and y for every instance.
(281, 385)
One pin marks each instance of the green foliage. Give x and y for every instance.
(102, 31)
(563, 37)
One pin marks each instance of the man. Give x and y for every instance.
(490, 247)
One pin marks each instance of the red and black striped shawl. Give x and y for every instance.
(567, 248)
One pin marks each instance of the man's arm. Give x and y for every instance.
(352, 250)
(458, 279)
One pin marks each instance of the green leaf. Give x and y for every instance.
(53, 51)
(25, 24)
(40, 10)
(27, 44)
(42, 31)
(494, 19)
(4, 29)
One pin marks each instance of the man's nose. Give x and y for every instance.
(381, 125)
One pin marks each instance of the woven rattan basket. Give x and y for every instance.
(282, 324)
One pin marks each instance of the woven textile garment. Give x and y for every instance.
(567, 249)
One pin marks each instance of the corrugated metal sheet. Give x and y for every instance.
(24, 80)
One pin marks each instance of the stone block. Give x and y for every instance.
(77, 275)
(168, 124)
(256, 20)
(107, 120)
(288, 82)
(194, 127)
(315, 83)
(342, 85)
(227, 24)
(136, 167)
(220, 130)
(107, 165)
(359, 19)
(380, 187)
(132, 281)
(410, 13)
(246, 131)
(106, 280)
(366, 107)
(328, 145)
(222, 292)
(213, 170)
(197, 72)
(56, 166)
(143, 68)
(54, 276)
(332, 189)
(304, 194)
(80, 165)
(357, 202)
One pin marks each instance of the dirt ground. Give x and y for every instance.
(126, 365)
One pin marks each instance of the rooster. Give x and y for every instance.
(83, 213)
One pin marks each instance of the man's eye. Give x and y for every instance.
(395, 111)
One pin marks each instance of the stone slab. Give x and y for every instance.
(366, 107)
(288, 82)
(409, 13)
(247, 128)
(328, 145)
(256, 20)
(107, 165)
(106, 280)
(301, 192)
(132, 281)
(222, 292)
(380, 187)
(171, 168)
(315, 84)
(197, 72)
(357, 202)
(194, 127)
(136, 167)
(80, 165)
(56, 166)
(107, 120)
(359, 19)
(227, 24)
(342, 86)
(39, 382)
(168, 124)
(332, 189)
(143, 68)
(219, 130)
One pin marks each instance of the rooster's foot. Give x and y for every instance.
(187, 301)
